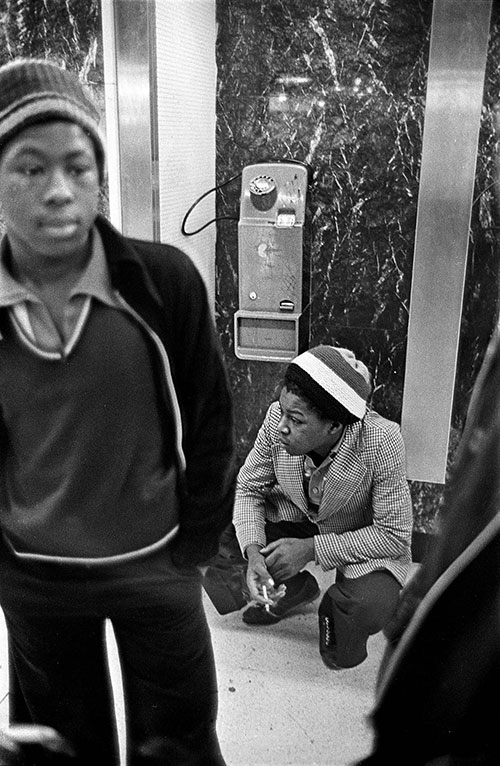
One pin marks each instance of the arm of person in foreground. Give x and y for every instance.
(207, 415)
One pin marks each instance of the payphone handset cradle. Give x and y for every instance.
(220, 186)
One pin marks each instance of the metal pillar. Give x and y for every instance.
(458, 47)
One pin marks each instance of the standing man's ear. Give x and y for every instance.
(333, 426)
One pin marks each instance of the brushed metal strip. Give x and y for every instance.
(457, 61)
(133, 46)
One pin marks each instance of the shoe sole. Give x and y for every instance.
(278, 617)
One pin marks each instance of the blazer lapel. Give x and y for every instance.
(290, 475)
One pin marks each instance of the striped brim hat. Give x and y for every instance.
(37, 90)
(330, 376)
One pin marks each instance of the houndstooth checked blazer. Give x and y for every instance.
(365, 516)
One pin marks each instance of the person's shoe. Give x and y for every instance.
(304, 593)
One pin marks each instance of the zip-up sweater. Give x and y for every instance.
(162, 288)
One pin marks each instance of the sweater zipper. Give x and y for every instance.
(172, 395)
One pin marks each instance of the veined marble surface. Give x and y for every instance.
(341, 85)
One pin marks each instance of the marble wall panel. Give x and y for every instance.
(340, 84)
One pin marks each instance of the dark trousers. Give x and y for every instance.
(358, 607)
(60, 676)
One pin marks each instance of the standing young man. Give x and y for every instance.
(325, 482)
(116, 445)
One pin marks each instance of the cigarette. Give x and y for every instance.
(264, 593)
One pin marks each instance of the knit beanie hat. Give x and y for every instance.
(35, 90)
(330, 376)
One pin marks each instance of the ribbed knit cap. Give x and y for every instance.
(35, 90)
(329, 376)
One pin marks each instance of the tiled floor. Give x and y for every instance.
(279, 705)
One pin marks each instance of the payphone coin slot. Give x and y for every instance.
(288, 306)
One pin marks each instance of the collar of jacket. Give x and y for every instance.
(128, 272)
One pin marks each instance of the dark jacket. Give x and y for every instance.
(437, 697)
(160, 285)
(165, 288)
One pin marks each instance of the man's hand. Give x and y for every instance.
(285, 557)
(258, 575)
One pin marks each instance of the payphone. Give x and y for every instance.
(271, 323)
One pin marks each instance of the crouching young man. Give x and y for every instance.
(325, 483)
